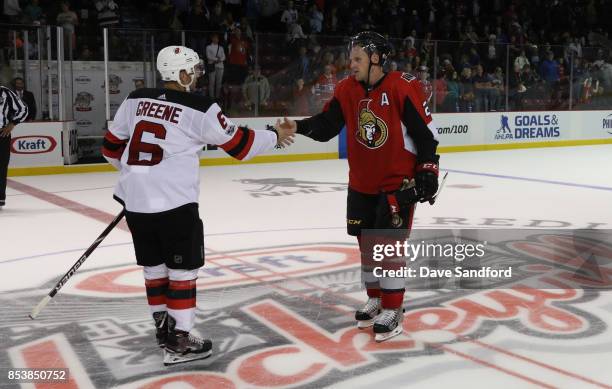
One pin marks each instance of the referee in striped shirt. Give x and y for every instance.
(12, 112)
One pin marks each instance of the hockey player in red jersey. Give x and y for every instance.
(392, 159)
(154, 141)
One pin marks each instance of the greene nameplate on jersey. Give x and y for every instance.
(159, 132)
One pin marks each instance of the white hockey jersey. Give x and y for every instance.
(155, 141)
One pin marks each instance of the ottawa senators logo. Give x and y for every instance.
(373, 131)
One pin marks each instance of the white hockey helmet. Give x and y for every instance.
(172, 59)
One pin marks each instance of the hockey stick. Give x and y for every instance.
(433, 199)
(76, 265)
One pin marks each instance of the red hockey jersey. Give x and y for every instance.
(389, 130)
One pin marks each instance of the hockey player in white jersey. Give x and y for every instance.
(154, 141)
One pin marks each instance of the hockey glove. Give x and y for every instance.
(426, 181)
(394, 207)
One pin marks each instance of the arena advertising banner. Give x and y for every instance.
(456, 129)
(596, 124)
(492, 128)
(37, 144)
(528, 127)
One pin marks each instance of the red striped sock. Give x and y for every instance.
(373, 292)
(392, 299)
(181, 301)
(156, 293)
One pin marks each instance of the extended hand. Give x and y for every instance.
(6, 131)
(286, 131)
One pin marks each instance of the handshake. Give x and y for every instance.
(285, 131)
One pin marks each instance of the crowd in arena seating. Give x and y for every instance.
(287, 56)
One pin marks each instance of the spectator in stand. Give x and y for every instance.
(491, 52)
(573, 48)
(534, 55)
(497, 89)
(296, 35)
(474, 57)
(423, 76)
(289, 16)
(451, 102)
(440, 91)
(529, 78)
(408, 68)
(26, 96)
(342, 67)
(217, 17)
(11, 11)
(68, 20)
(332, 21)
(108, 13)
(411, 50)
(482, 89)
(549, 69)
(302, 97)
(229, 25)
(237, 58)
(247, 31)
(316, 19)
(466, 91)
(33, 13)
(255, 89)
(328, 59)
(302, 67)
(215, 56)
(427, 48)
(324, 87)
(521, 60)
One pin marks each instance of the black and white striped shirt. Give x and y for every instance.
(12, 108)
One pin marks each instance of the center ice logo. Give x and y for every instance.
(289, 186)
(307, 319)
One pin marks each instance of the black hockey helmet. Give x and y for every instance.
(372, 42)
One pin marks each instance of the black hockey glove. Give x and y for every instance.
(426, 181)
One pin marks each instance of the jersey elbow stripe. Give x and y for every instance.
(112, 154)
(111, 149)
(239, 146)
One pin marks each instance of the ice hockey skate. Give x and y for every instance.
(388, 324)
(367, 314)
(183, 347)
(161, 327)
